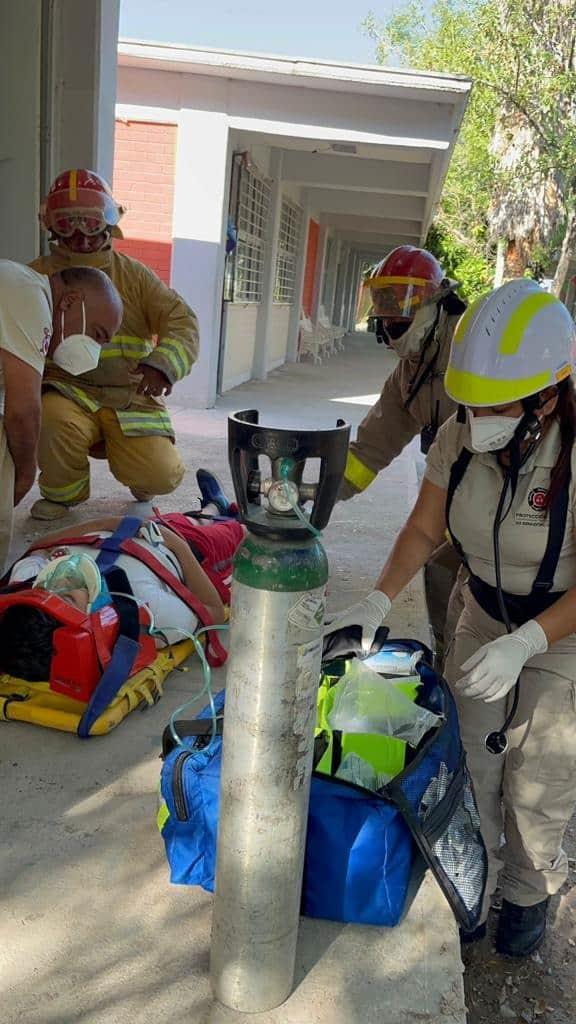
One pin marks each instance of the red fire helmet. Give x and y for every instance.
(400, 283)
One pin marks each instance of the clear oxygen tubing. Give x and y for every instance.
(156, 630)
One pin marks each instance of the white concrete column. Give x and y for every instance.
(263, 320)
(330, 303)
(83, 60)
(203, 161)
(340, 285)
(349, 290)
(353, 297)
(296, 308)
(58, 85)
(20, 78)
(320, 272)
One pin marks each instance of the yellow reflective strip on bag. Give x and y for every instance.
(470, 389)
(513, 333)
(162, 816)
(357, 474)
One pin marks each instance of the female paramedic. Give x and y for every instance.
(501, 478)
(196, 554)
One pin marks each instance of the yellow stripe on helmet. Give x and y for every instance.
(470, 389)
(357, 474)
(383, 282)
(73, 185)
(514, 331)
(464, 321)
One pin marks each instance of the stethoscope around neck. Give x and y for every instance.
(529, 429)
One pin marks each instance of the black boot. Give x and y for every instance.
(521, 930)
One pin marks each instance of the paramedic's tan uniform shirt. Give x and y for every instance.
(524, 532)
(25, 332)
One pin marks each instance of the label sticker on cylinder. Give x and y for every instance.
(308, 612)
(308, 665)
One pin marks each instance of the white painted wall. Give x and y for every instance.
(239, 343)
(57, 83)
(292, 191)
(278, 335)
(20, 31)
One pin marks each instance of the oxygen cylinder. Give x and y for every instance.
(277, 617)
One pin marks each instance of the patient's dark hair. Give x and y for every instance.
(26, 643)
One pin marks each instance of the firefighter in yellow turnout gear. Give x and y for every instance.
(116, 411)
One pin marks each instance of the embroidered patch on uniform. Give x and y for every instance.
(537, 499)
(537, 504)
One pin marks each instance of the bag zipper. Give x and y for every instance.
(180, 803)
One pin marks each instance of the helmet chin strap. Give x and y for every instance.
(390, 332)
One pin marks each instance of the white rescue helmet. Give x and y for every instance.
(509, 344)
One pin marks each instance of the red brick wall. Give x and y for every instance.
(144, 169)
(310, 270)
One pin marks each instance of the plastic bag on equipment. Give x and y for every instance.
(355, 769)
(365, 702)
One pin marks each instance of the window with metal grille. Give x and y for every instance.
(253, 210)
(288, 239)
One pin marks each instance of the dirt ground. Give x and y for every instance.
(539, 990)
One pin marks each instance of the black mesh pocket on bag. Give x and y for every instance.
(436, 798)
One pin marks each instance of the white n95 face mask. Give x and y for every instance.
(77, 353)
(491, 433)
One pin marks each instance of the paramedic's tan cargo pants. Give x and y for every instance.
(529, 795)
(148, 465)
(6, 498)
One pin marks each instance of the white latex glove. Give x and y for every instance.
(368, 613)
(494, 669)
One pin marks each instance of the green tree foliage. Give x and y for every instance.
(513, 173)
(444, 39)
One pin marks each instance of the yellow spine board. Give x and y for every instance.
(37, 704)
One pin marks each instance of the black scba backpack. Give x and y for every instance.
(361, 845)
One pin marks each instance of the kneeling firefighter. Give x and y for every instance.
(501, 478)
(413, 308)
(117, 410)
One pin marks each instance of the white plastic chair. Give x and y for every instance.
(335, 333)
(310, 341)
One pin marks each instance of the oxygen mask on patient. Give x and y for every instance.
(70, 576)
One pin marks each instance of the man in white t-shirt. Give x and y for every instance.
(66, 318)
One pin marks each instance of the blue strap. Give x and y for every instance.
(118, 671)
(111, 547)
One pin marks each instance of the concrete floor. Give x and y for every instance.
(91, 930)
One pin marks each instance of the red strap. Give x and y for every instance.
(215, 652)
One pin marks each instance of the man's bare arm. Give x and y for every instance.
(22, 416)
